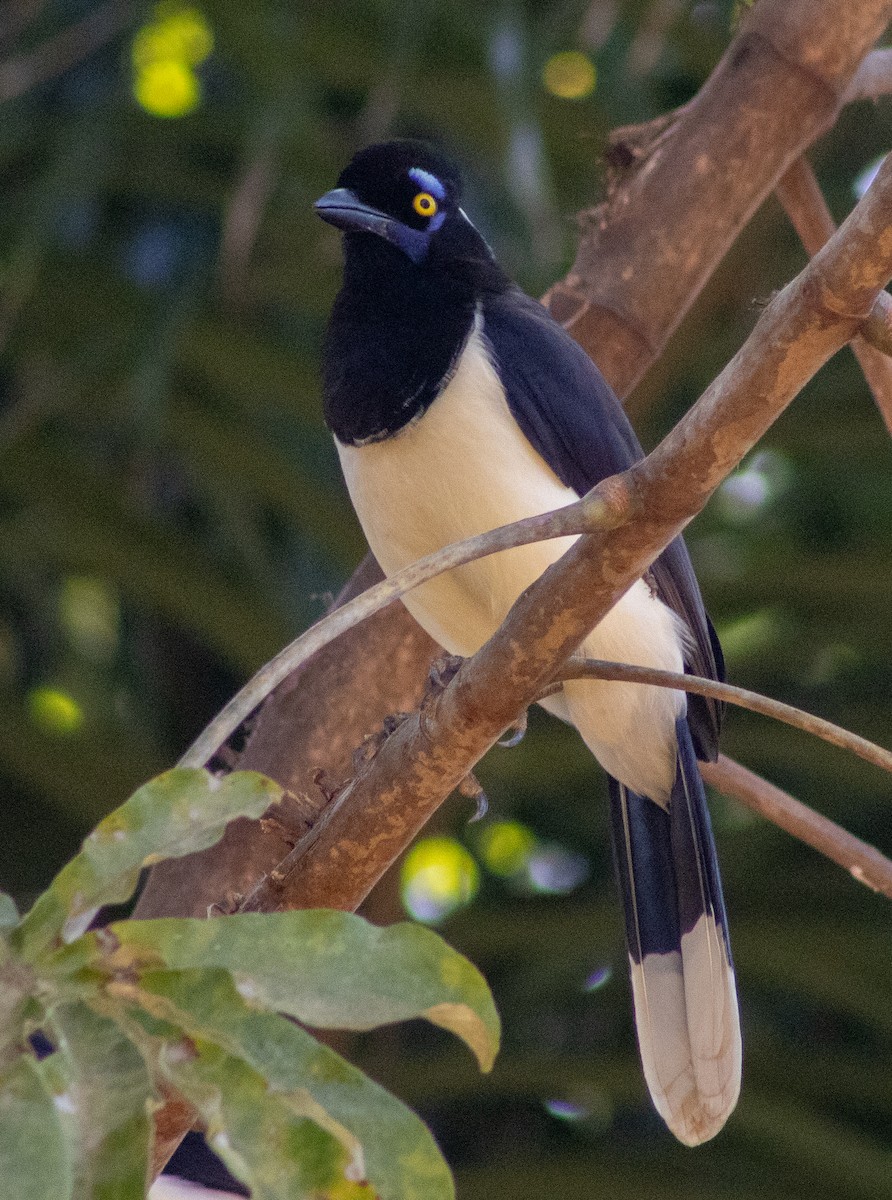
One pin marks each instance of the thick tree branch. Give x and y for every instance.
(862, 861)
(799, 193)
(361, 833)
(778, 87)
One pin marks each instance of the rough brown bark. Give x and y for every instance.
(311, 722)
(646, 253)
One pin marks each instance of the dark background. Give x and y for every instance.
(171, 513)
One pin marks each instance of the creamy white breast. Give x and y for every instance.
(465, 467)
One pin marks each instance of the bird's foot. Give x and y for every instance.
(371, 744)
(470, 787)
(441, 673)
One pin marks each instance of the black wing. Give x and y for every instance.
(568, 412)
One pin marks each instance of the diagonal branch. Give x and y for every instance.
(361, 833)
(776, 89)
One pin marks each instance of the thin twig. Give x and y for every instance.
(57, 55)
(864, 862)
(741, 697)
(804, 203)
(584, 516)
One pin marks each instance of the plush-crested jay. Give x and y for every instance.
(457, 404)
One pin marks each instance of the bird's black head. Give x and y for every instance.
(407, 194)
(415, 272)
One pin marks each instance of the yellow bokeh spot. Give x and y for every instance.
(438, 876)
(165, 53)
(176, 34)
(569, 75)
(167, 88)
(506, 846)
(54, 710)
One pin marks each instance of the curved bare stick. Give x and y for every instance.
(585, 516)
(592, 668)
(863, 862)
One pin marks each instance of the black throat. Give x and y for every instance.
(395, 335)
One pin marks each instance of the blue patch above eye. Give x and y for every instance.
(429, 183)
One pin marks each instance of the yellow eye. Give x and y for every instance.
(424, 204)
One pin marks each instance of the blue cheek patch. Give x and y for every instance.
(413, 242)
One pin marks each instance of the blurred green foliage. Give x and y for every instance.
(171, 513)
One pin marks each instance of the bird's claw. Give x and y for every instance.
(470, 787)
(371, 744)
(520, 728)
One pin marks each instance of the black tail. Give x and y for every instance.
(680, 958)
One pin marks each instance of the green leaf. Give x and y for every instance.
(103, 1089)
(400, 1156)
(34, 1158)
(332, 970)
(9, 913)
(175, 814)
(279, 1153)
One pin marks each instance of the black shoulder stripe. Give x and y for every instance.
(571, 416)
(556, 393)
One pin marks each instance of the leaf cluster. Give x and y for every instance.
(211, 1012)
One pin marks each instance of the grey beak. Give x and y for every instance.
(342, 208)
